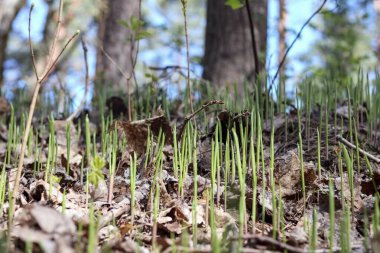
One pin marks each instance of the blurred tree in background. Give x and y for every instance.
(229, 56)
(117, 43)
(8, 12)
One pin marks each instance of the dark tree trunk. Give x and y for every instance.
(8, 12)
(117, 42)
(228, 47)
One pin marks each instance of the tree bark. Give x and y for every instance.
(117, 42)
(228, 54)
(8, 12)
(282, 43)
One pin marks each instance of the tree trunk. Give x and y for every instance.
(8, 12)
(117, 42)
(229, 55)
(282, 44)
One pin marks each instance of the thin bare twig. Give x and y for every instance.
(30, 43)
(48, 71)
(56, 36)
(134, 60)
(293, 42)
(75, 113)
(363, 152)
(184, 11)
(189, 117)
(266, 240)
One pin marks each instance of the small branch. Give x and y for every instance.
(166, 68)
(189, 117)
(46, 74)
(293, 42)
(75, 113)
(266, 240)
(57, 32)
(122, 207)
(253, 37)
(30, 43)
(363, 152)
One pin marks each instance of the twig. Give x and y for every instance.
(184, 11)
(293, 42)
(59, 23)
(30, 43)
(189, 117)
(363, 152)
(266, 240)
(253, 37)
(134, 60)
(48, 71)
(75, 113)
(165, 68)
(123, 207)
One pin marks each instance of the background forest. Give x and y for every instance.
(189, 126)
(161, 42)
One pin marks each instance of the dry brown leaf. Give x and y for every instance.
(137, 131)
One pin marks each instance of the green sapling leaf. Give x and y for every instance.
(234, 4)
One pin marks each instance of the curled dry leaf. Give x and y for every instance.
(137, 131)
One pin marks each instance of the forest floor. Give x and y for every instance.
(295, 182)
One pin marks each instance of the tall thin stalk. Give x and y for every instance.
(40, 79)
(189, 88)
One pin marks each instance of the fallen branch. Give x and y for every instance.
(266, 240)
(363, 152)
(269, 241)
(123, 207)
